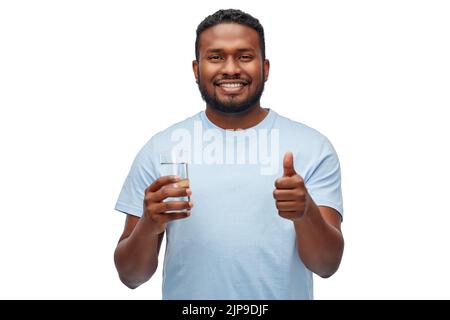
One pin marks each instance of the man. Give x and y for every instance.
(266, 189)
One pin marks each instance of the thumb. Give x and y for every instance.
(288, 165)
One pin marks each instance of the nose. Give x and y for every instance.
(231, 67)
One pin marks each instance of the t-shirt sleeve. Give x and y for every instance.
(324, 183)
(141, 175)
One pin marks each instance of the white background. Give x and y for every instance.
(84, 84)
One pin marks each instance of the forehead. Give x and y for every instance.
(229, 36)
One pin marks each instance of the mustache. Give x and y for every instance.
(247, 81)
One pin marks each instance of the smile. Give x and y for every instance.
(231, 87)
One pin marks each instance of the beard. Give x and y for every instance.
(231, 106)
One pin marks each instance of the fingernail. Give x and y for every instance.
(191, 204)
(176, 178)
(188, 192)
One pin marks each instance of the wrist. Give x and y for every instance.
(149, 225)
(310, 208)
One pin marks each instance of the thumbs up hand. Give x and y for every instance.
(291, 196)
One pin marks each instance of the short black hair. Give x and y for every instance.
(231, 16)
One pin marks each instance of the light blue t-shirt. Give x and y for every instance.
(235, 245)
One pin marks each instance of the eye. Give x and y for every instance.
(216, 57)
(246, 57)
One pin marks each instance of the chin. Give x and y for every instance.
(232, 109)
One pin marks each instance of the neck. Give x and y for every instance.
(234, 121)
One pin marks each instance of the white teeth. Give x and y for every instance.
(231, 85)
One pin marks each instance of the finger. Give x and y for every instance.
(283, 195)
(288, 214)
(162, 181)
(170, 191)
(174, 216)
(287, 205)
(289, 182)
(173, 205)
(288, 165)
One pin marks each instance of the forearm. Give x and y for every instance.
(136, 257)
(320, 245)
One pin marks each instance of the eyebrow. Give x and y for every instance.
(221, 50)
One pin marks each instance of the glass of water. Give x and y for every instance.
(175, 163)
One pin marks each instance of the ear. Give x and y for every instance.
(266, 69)
(195, 69)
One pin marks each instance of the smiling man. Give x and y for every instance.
(252, 234)
(222, 49)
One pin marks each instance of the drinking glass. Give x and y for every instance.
(173, 163)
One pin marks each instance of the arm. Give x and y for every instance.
(319, 239)
(136, 255)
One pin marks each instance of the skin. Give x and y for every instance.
(318, 234)
(136, 255)
(220, 57)
(318, 228)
